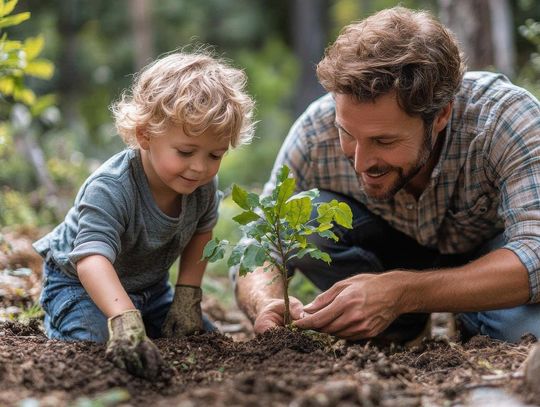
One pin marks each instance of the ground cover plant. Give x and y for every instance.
(277, 227)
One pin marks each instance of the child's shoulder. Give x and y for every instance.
(114, 174)
(117, 166)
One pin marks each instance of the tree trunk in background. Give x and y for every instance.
(68, 75)
(502, 26)
(309, 30)
(141, 24)
(484, 29)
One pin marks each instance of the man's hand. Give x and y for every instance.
(129, 348)
(356, 308)
(185, 315)
(271, 314)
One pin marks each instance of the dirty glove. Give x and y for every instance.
(129, 348)
(185, 315)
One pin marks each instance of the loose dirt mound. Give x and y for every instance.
(279, 368)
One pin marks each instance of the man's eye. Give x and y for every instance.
(383, 142)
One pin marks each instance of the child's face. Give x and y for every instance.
(179, 164)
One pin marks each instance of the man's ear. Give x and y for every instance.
(142, 138)
(441, 120)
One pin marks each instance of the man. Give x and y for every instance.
(442, 170)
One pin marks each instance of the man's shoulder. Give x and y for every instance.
(317, 122)
(479, 85)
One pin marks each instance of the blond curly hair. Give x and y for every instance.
(197, 91)
(396, 50)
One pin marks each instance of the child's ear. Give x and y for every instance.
(142, 138)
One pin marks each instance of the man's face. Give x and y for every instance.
(387, 147)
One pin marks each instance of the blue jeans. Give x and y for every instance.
(71, 315)
(373, 246)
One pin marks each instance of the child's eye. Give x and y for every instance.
(216, 157)
(185, 153)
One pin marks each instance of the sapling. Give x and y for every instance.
(276, 228)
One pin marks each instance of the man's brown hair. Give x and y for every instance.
(408, 52)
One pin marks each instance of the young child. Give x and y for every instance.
(106, 266)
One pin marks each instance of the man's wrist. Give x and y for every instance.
(406, 291)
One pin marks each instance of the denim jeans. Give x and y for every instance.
(373, 246)
(71, 315)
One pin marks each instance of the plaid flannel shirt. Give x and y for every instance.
(487, 179)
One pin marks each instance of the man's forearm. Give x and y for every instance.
(254, 289)
(494, 281)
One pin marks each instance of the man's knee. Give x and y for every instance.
(507, 325)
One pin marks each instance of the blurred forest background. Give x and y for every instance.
(55, 126)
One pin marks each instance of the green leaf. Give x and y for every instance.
(42, 103)
(344, 215)
(33, 46)
(324, 226)
(325, 213)
(329, 235)
(256, 230)
(243, 270)
(246, 217)
(7, 85)
(239, 196)
(214, 250)
(298, 211)
(285, 191)
(7, 7)
(236, 255)
(24, 95)
(40, 68)
(312, 193)
(269, 214)
(283, 174)
(14, 20)
(254, 256)
(253, 200)
(318, 254)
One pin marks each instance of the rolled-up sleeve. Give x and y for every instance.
(101, 221)
(514, 159)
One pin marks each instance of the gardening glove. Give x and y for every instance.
(129, 348)
(185, 315)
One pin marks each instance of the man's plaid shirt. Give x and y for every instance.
(487, 179)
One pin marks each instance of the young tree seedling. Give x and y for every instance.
(277, 227)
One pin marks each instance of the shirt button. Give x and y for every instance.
(409, 206)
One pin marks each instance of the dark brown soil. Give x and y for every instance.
(279, 368)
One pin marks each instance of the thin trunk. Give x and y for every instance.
(309, 27)
(484, 30)
(141, 24)
(503, 37)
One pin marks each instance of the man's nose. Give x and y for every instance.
(362, 159)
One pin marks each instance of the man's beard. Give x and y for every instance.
(404, 178)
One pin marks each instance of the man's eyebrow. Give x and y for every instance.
(340, 127)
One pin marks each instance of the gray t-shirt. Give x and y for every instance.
(115, 215)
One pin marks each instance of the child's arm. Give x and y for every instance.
(128, 346)
(191, 267)
(185, 315)
(99, 279)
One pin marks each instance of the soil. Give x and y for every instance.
(235, 368)
(278, 368)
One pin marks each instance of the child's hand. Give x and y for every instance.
(185, 316)
(129, 348)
